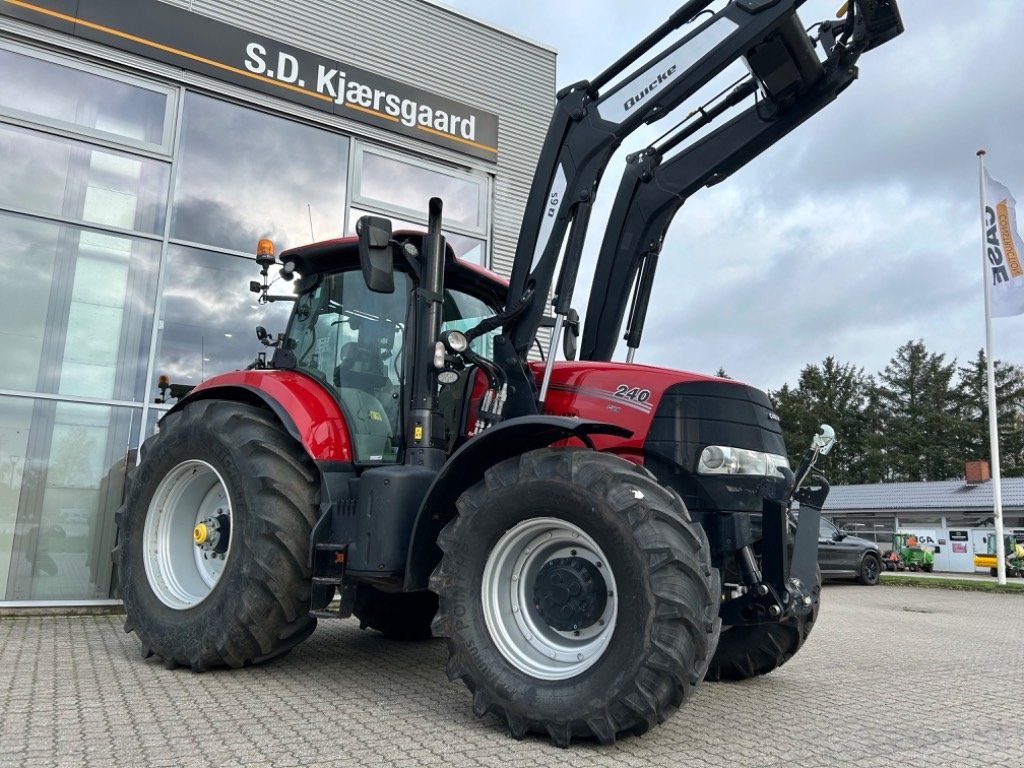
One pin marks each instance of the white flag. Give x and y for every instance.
(1004, 250)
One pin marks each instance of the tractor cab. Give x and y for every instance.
(353, 339)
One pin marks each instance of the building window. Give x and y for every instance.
(64, 178)
(406, 186)
(75, 309)
(245, 175)
(399, 188)
(62, 470)
(209, 316)
(57, 93)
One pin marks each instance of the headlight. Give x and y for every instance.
(726, 460)
(456, 341)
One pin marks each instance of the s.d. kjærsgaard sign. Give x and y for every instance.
(200, 44)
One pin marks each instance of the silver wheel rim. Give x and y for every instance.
(181, 572)
(515, 624)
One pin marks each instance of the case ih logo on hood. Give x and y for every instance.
(774, 416)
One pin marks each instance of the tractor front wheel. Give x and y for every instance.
(213, 539)
(746, 651)
(577, 596)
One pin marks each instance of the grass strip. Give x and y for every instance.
(1012, 586)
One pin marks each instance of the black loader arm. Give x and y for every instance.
(592, 118)
(653, 189)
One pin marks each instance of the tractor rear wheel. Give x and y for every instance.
(396, 615)
(577, 596)
(213, 539)
(752, 650)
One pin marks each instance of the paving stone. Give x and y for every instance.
(890, 676)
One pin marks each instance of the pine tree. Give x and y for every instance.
(840, 395)
(973, 392)
(919, 416)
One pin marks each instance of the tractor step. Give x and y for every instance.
(326, 614)
(344, 597)
(327, 581)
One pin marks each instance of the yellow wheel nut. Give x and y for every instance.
(199, 533)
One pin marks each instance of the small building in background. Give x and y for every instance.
(954, 517)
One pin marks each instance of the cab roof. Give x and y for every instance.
(342, 254)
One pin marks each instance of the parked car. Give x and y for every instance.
(842, 556)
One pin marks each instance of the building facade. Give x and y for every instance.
(145, 147)
(955, 518)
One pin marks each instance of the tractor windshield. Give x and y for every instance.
(350, 339)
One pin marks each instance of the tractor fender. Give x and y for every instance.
(307, 411)
(466, 467)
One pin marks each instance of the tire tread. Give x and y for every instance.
(684, 587)
(271, 617)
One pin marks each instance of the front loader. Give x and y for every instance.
(592, 538)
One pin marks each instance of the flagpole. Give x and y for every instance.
(993, 427)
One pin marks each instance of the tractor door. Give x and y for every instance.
(351, 340)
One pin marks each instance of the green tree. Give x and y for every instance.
(973, 391)
(842, 396)
(919, 429)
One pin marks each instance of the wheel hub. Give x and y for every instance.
(213, 534)
(569, 593)
(187, 534)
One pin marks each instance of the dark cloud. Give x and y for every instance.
(283, 178)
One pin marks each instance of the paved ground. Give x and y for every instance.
(892, 676)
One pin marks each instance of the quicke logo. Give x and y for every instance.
(663, 77)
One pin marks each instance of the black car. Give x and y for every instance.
(841, 556)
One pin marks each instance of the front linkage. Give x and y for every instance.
(785, 583)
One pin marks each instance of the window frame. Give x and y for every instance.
(163, 149)
(419, 216)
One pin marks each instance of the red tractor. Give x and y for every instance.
(592, 538)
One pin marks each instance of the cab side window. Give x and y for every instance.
(462, 312)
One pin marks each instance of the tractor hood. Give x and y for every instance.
(674, 415)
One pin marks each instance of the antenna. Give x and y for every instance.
(309, 210)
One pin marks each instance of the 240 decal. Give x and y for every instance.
(636, 394)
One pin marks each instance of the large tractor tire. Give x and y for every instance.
(213, 539)
(747, 651)
(396, 615)
(577, 596)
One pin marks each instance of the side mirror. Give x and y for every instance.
(375, 255)
(823, 443)
(572, 334)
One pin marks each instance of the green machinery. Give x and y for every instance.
(913, 556)
(1014, 555)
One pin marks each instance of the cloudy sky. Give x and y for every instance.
(854, 234)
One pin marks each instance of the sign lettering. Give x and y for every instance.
(184, 38)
